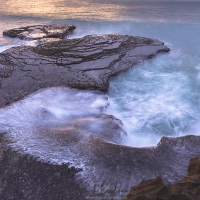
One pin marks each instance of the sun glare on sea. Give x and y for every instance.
(89, 9)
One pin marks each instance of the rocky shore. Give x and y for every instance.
(97, 165)
(84, 63)
(185, 189)
(40, 31)
(24, 177)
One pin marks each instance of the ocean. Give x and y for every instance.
(159, 97)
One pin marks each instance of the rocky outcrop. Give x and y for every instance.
(24, 177)
(78, 158)
(83, 157)
(40, 31)
(90, 143)
(185, 189)
(83, 63)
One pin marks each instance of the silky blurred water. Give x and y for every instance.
(156, 98)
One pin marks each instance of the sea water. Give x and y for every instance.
(159, 97)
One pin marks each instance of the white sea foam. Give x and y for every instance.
(58, 125)
(24, 120)
(3, 48)
(156, 99)
(7, 44)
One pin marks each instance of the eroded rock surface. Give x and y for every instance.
(84, 63)
(24, 177)
(40, 31)
(185, 189)
(107, 169)
(40, 152)
(64, 126)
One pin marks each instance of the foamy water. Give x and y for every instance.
(28, 122)
(158, 98)
(60, 126)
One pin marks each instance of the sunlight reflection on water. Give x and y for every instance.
(174, 23)
(103, 10)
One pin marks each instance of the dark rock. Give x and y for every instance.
(83, 63)
(40, 31)
(104, 166)
(194, 167)
(98, 165)
(89, 143)
(185, 189)
(24, 177)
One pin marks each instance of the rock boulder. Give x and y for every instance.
(85, 63)
(185, 189)
(40, 31)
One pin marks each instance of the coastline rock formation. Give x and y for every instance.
(43, 157)
(85, 63)
(103, 169)
(40, 31)
(185, 189)
(24, 177)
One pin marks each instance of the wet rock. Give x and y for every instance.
(89, 142)
(100, 164)
(41, 41)
(40, 31)
(24, 177)
(103, 166)
(185, 189)
(85, 63)
(58, 129)
(106, 168)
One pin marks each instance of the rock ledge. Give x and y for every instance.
(186, 189)
(84, 63)
(40, 31)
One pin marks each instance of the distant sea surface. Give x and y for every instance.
(160, 97)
